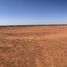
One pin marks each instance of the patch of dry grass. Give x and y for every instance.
(33, 46)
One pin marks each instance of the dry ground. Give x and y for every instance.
(37, 46)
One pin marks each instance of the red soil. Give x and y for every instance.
(37, 46)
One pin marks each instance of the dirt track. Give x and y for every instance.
(37, 46)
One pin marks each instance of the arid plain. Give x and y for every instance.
(33, 46)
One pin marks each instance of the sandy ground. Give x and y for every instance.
(37, 46)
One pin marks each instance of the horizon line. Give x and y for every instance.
(25, 25)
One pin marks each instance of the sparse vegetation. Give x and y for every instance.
(36, 46)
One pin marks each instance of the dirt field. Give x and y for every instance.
(36, 46)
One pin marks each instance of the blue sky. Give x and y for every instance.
(33, 12)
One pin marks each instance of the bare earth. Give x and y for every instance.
(37, 46)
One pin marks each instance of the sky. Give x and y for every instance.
(13, 12)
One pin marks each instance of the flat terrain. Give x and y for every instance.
(36, 46)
